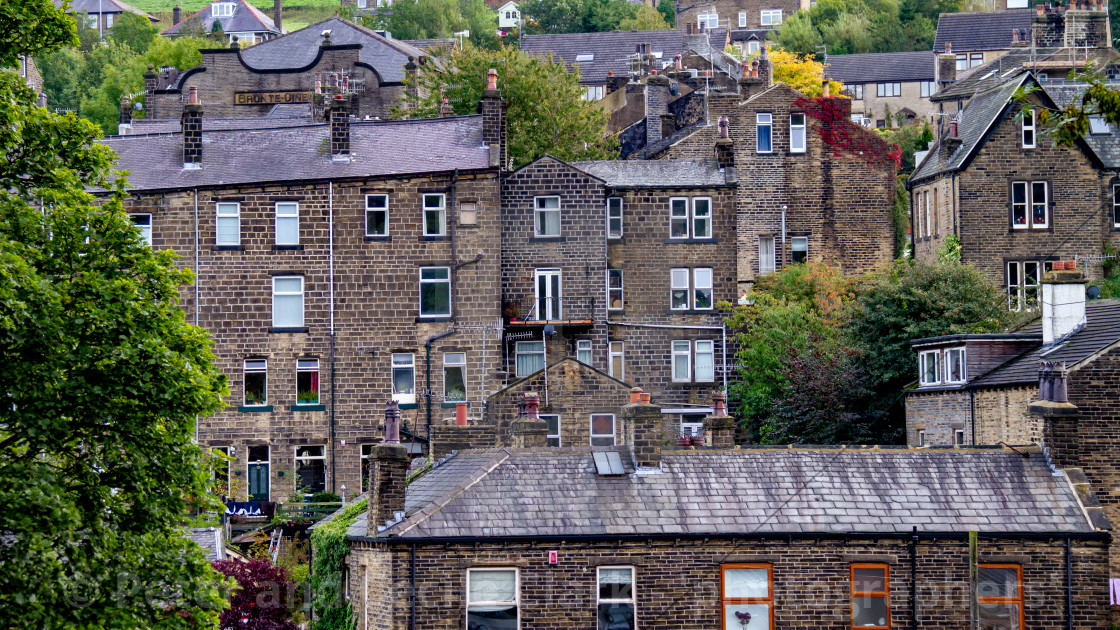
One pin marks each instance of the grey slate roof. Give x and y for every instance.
(301, 153)
(746, 34)
(1016, 62)
(245, 19)
(210, 539)
(1107, 145)
(92, 7)
(980, 31)
(1101, 330)
(299, 48)
(556, 492)
(428, 44)
(611, 50)
(975, 120)
(655, 173)
(171, 125)
(876, 67)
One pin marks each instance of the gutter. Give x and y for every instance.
(855, 535)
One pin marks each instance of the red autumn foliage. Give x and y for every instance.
(261, 601)
(836, 129)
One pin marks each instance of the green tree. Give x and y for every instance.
(646, 18)
(481, 21)
(546, 115)
(850, 33)
(135, 31)
(798, 35)
(668, 11)
(423, 19)
(604, 16)
(553, 16)
(103, 379)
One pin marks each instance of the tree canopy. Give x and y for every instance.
(546, 115)
(592, 16)
(103, 378)
(861, 26)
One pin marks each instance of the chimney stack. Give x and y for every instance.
(277, 14)
(719, 428)
(124, 121)
(387, 474)
(529, 431)
(191, 123)
(493, 110)
(824, 89)
(1063, 301)
(340, 129)
(642, 422)
(725, 146)
(176, 15)
(1060, 419)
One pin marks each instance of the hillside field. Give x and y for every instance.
(297, 13)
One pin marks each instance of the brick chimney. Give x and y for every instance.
(529, 431)
(657, 103)
(642, 422)
(191, 123)
(668, 124)
(725, 146)
(1063, 301)
(124, 120)
(176, 15)
(1060, 418)
(946, 67)
(719, 428)
(340, 129)
(493, 110)
(150, 80)
(388, 472)
(277, 14)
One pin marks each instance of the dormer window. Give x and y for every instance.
(1098, 125)
(929, 366)
(221, 9)
(954, 365)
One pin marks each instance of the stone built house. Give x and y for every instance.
(649, 536)
(985, 389)
(882, 85)
(697, 17)
(296, 69)
(242, 23)
(102, 14)
(977, 38)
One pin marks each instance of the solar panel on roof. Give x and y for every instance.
(608, 463)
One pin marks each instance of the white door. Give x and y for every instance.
(548, 294)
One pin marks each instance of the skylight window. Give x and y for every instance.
(608, 463)
(585, 58)
(1098, 125)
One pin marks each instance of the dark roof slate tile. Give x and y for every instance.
(989, 30)
(611, 51)
(877, 67)
(655, 173)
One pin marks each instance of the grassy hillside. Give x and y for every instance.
(297, 13)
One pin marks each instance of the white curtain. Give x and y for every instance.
(746, 583)
(493, 586)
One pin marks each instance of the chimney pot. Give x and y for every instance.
(392, 422)
(952, 129)
(192, 95)
(176, 15)
(635, 395)
(824, 88)
(719, 403)
(644, 398)
(1063, 301)
(388, 474)
(492, 79)
(948, 48)
(532, 405)
(677, 64)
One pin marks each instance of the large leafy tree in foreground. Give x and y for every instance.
(101, 379)
(546, 114)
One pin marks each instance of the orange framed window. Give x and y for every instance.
(871, 596)
(999, 594)
(747, 596)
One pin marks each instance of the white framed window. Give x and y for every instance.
(766, 257)
(1029, 205)
(616, 363)
(678, 289)
(958, 437)
(799, 249)
(1116, 206)
(954, 365)
(255, 385)
(742, 19)
(614, 217)
(377, 215)
(549, 294)
(705, 357)
(435, 214)
(468, 213)
(221, 9)
(455, 376)
(692, 424)
(311, 469)
(888, 89)
(1028, 129)
(764, 131)
(678, 217)
(362, 4)
(682, 361)
(287, 223)
(583, 351)
(109, 20)
(493, 594)
(593, 92)
(702, 288)
(307, 381)
(529, 358)
(92, 21)
(287, 301)
(975, 59)
(143, 223)
(1022, 284)
(771, 17)
(614, 289)
(856, 90)
(962, 61)
(435, 291)
(552, 421)
(797, 133)
(921, 437)
(546, 219)
(602, 429)
(929, 367)
(701, 217)
(753, 47)
(403, 373)
(930, 211)
(707, 21)
(1098, 125)
(929, 88)
(615, 598)
(228, 223)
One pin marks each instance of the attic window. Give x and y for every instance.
(221, 9)
(585, 58)
(608, 464)
(1098, 125)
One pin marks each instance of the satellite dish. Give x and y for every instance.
(1093, 292)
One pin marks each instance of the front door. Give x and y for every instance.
(258, 482)
(548, 294)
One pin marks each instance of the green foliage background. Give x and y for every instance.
(329, 542)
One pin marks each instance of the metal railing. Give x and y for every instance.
(548, 309)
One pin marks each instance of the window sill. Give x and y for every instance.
(547, 239)
(616, 239)
(307, 408)
(692, 311)
(452, 405)
(467, 226)
(435, 318)
(426, 238)
(407, 406)
(691, 240)
(227, 248)
(284, 248)
(378, 237)
(289, 329)
(255, 409)
(616, 311)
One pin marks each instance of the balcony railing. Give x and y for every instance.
(549, 310)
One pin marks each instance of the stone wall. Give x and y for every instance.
(940, 415)
(1003, 415)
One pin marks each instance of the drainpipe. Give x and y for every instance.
(197, 289)
(428, 378)
(1069, 585)
(451, 222)
(913, 245)
(412, 598)
(972, 414)
(723, 332)
(914, 579)
(330, 275)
